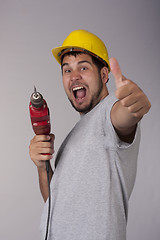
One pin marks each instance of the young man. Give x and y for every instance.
(95, 167)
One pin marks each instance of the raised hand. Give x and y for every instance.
(130, 96)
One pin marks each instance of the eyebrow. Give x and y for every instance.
(85, 61)
(80, 62)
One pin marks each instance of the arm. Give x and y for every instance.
(130, 108)
(39, 146)
(43, 182)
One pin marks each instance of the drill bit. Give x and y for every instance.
(35, 91)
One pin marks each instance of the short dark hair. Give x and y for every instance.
(95, 60)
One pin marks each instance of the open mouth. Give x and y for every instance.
(79, 92)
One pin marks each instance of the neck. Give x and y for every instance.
(104, 94)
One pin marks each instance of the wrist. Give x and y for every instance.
(41, 171)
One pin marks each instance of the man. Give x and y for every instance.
(95, 167)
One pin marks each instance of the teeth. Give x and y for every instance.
(77, 88)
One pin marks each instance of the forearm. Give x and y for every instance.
(43, 182)
(124, 122)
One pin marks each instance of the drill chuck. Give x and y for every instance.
(36, 99)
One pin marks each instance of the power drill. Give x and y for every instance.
(40, 116)
(40, 119)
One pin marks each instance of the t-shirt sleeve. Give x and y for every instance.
(126, 154)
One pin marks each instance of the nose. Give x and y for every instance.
(75, 75)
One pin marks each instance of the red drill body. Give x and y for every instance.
(40, 119)
(39, 113)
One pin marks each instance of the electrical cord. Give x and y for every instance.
(49, 201)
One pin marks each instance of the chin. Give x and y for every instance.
(83, 109)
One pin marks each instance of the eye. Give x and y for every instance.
(66, 71)
(83, 68)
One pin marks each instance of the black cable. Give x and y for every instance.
(49, 201)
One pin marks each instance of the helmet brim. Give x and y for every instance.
(58, 50)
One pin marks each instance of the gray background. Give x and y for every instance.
(29, 29)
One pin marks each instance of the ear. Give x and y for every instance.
(104, 74)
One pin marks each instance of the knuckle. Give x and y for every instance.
(130, 108)
(137, 115)
(123, 102)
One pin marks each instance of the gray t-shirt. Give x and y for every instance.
(93, 179)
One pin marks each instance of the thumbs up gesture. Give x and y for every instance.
(132, 104)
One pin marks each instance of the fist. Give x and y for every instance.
(41, 149)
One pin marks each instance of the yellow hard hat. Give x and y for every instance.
(85, 41)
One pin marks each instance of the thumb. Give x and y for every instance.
(116, 71)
